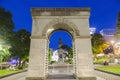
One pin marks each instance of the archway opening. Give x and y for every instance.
(60, 54)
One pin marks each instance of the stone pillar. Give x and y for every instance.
(74, 59)
(47, 63)
(37, 59)
(84, 61)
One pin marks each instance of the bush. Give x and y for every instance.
(52, 62)
(70, 61)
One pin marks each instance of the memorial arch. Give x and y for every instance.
(73, 20)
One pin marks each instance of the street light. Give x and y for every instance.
(112, 42)
(112, 45)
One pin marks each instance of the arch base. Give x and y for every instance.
(34, 78)
(86, 78)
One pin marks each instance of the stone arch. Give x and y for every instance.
(73, 20)
(66, 25)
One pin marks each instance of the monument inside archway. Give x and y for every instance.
(73, 20)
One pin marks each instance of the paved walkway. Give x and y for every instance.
(106, 76)
(65, 76)
(19, 76)
(63, 72)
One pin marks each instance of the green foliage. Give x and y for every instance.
(1, 55)
(52, 62)
(49, 55)
(6, 26)
(4, 54)
(6, 72)
(70, 61)
(6, 31)
(70, 53)
(98, 44)
(101, 60)
(20, 44)
(17, 42)
(114, 69)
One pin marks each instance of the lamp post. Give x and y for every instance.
(112, 47)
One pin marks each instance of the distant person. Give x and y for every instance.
(105, 63)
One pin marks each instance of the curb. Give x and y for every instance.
(12, 74)
(108, 72)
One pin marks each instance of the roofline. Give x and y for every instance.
(60, 9)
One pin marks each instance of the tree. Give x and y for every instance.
(4, 55)
(6, 31)
(6, 26)
(20, 44)
(98, 44)
(1, 55)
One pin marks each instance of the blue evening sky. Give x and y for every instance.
(103, 12)
(54, 39)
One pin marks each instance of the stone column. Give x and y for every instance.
(37, 59)
(84, 61)
(74, 59)
(47, 63)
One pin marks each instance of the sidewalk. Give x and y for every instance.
(19, 76)
(100, 76)
(107, 76)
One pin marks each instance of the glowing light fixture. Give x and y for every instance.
(112, 42)
(49, 30)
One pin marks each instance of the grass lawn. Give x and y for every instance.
(5, 72)
(101, 60)
(114, 69)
